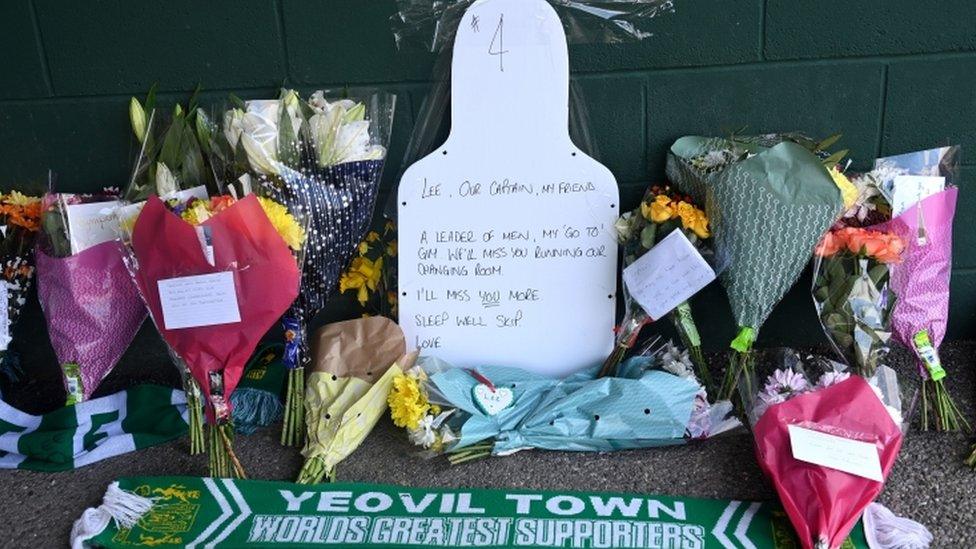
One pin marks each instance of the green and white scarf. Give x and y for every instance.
(206, 512)
(84, 433)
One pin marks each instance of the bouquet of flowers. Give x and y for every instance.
(90, 303)
(920, 191)
(851, 293)
(19, 222)
(769, 200)
(216, 275)
(912, 197)
(661, 211)
(371, 274)
(355, 364)
(655, 400)
(803, 421)
(322, 160)
(170, 154)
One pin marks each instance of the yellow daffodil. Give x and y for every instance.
(291, 232)
(408, 405)
(848, 191)
(658, 211)
(362, 276)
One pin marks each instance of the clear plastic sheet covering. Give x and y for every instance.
(432, 24)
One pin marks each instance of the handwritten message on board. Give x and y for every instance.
(507, 252)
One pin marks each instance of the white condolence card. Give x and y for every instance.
(91, 224)
(844, 454)
(200, 300)
(667, 275)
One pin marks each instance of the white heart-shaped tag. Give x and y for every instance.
(492, 402)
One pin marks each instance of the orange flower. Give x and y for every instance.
(221, 203)
(881, 246)
(830, 244)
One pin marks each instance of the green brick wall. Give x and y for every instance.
(891, 75)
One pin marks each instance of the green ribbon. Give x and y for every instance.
(687, 323)
(930, 357)
(743, 342)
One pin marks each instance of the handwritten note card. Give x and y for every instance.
(91, 224)
(201, 300)
(908, 190)
(200, 191)
(844, 454)
(667, 275)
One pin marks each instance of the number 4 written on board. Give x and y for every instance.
(499, 37)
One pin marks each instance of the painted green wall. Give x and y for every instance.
(891, 75)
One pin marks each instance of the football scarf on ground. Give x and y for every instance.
(93, 430)
(205, 512)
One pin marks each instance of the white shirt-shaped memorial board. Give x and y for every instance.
(507, 248)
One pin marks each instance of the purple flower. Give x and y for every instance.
(780, 387)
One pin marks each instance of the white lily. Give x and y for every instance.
(233, 126)
(259, 130)
(165, 180)
(340, 132)
(137, 117)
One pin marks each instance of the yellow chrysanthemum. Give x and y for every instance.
(659, 210)
(372, 236)
(17, 198)
(848, 191)
(391, 248)
(407, 402)
(197, 212)
(291, 232)
(363, 248)
(362, 276)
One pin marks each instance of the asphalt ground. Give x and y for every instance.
(929, 482)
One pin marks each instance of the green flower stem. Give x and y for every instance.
(293, 430)
(739, 375)
(471, 453)
(684, 324)
(314, 471)
(195, 412)
(937, 401)
(222, 460)
(610, 365)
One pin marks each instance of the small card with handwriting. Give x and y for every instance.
(200, 300)
(908, 190)
(200, 192)
(667, 275)
(92, 224)
(844, 454)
